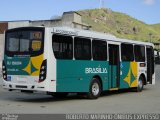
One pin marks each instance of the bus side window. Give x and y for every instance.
(139, 53)
(62, 47)
(82, 48)
(127, 52)
(99, 50)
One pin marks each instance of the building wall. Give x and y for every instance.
(47, 23)
(3, 27)
(1, 46)
(77, 18)
(67, 19)
(18, 24)
(1, 51)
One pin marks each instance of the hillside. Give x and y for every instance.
(120, 25)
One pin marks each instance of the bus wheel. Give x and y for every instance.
(140, 84)
(95, 89)
(60, 94)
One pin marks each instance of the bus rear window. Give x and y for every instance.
(24, 42)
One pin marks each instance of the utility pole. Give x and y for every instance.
(103, 4)
(150, 36)
(100, 4)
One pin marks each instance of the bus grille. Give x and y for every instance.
(19, 86)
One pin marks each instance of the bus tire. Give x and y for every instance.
(95, 89)
(60, 94)
(140, 84)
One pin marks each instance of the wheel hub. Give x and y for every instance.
(95, 89)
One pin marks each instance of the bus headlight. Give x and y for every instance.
(43, 71)
(4, 71)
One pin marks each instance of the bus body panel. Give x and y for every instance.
(129, 72)
(51, 81)
(153, 79)
(142, 70)
(75, 76)
(22, 71)
(112, 77)
(79, 81)
(24, 65)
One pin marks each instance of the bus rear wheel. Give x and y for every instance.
(140, 84)
(94, 89)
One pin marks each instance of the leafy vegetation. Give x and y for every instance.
(120, 25)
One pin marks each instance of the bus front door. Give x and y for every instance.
(150, 64)
(114, 66)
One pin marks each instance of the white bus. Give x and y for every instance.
(63, 60)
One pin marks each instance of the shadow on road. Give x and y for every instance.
(48, 99)
(41, 98)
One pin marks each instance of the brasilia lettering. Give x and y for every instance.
(95, 70)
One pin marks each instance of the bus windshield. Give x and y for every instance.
(24, 42)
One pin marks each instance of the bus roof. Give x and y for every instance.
(96, 35)
(89, 34)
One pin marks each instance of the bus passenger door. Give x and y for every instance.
(150, 64)
(114, 66)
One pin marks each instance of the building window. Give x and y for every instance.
(127, 52)
(99, 50)
(82, 48)
(139, 53)
(62, 47)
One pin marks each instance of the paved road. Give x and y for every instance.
(147, 101)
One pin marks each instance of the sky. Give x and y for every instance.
(147, 11)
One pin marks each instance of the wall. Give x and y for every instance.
(47, 23)
(77, 18)
(18, 24)
(67, 19)
(1, 49)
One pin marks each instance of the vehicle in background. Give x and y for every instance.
(157, 56)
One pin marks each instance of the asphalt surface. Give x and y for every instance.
(147, 101)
